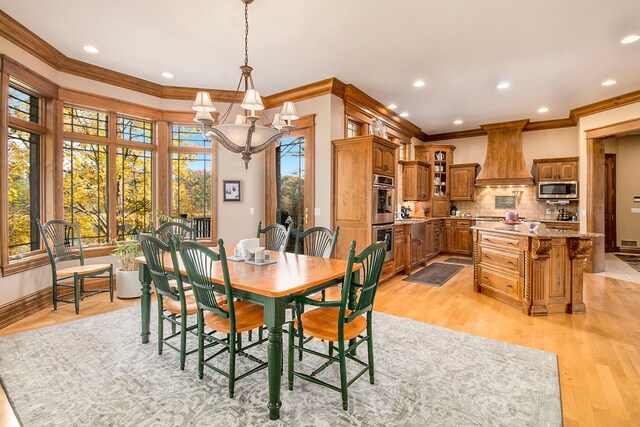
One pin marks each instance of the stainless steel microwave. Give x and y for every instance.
(558, 190)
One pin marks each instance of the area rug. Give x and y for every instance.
(95, 372)
(632, 260)
(464, 261)
(435, 274)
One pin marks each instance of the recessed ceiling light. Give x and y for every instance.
(543, 110)
(392, 106)
(418, 83)
(630, 39)
(90, 49)
(405, 114)
(457, 122)
(167, 75)
(503, 85)
(608, 82)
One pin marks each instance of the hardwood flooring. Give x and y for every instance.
(598, 352)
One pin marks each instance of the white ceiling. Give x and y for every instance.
(554, 53)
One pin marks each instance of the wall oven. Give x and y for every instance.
(558, 190)
(383, 188)
(378, 235)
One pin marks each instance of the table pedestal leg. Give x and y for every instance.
(145, 301)
(274, 319)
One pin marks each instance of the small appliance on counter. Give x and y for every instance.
(405, 212)
(454, 211)
(511, 218)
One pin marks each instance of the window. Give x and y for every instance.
(85, 168)
(23, 191)
(86, 122)
(191, 178)
(353, 128)
(134, 178)
(23, 105)
(137, 130)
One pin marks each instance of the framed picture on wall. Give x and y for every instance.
(231, 191)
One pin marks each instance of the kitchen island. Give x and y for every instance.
(540, 272)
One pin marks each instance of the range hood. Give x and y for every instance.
(504, 163)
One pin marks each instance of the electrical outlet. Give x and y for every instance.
(317, 212)
(548, 211)
(251, 211)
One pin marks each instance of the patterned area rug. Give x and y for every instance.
(435, 274)
(464, 261)
(632, 260)
(95, 372)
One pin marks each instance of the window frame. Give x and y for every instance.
(212, 151)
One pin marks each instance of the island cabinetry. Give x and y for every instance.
(463, 181)
(415, 185)
(560, 169)
(541, 274)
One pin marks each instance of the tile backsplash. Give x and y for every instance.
(527, 205)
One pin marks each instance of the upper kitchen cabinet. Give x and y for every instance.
(560, 169)
(384, 159)
(463, 181)
(440, 157)
(415, 181)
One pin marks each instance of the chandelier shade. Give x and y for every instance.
(244, 135)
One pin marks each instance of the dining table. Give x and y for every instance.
(273, 286)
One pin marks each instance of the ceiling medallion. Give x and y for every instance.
(244, 136)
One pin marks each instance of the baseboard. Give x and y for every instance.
(30, 304)
(628, 250)
(26, 306)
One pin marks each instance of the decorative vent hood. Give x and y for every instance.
(504, 163)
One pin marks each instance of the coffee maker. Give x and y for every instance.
(404, 212)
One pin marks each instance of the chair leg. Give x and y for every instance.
(76, 295)
(370, 350)
(55, 294)
(300, 333)
(343, 375)
(260, 333)
(160, 325)
(330, 348)
(111, 283)
(82, 286)
(232, 363)
(239, 341)
(250, 335)
(290, 357)
(183, 339)
(200, 344)
(173, 324)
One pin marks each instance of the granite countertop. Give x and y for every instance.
(459, 218)
(523, 230)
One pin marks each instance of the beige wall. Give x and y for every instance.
(627, 150)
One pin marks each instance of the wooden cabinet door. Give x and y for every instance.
(389, 161)
(422, 181)
(429, 243)
(547, 171)
(415, 252)
(409, 184)
(462, 183)
(440, 206)
(567, 171)
(399, 255)
(463, 240)
(378, 159)
(422, 154)
(448, 237)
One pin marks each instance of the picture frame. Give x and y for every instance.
(231, 191)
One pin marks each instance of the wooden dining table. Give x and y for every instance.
(272, 286)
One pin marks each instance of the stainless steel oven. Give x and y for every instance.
(383, 188)
(558, 190)
(378, 235)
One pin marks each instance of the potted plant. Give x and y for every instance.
(127, 281)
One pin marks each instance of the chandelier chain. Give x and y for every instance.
(246, 34)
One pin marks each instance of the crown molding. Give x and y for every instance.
(607, 104)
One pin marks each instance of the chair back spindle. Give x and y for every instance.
(317, 241)
(276, 236)
(154, 250)
(174, 228)
(64, 237)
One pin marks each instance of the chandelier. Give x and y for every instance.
(244, 135)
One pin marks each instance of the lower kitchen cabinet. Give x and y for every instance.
(448, 236)
(418, 251)
(429, 244)
(456, 237)
(399, 248)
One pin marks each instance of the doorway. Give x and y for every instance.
(610, 236)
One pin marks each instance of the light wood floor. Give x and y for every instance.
(598, 352)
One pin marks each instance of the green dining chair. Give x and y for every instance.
(334, 322)
(175, 303)
(276, 236)
(231, 316)
(174, 228)
(66, 240)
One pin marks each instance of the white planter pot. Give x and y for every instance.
(127, 284)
